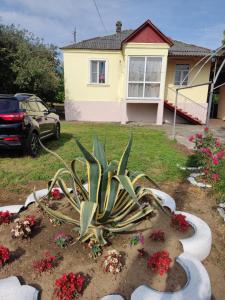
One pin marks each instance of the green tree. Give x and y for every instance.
(27, 64)
(223, 41)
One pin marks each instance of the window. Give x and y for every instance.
(181, 74)
(144, 77)
(98, 71)
(32, 106)
(42, 107)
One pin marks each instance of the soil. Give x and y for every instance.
(76, 257)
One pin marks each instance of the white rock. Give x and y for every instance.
(39, 194)
(199, 245)
(11, 208)
(167, 200)
(10, 289)
(112, 297)
(198, 285)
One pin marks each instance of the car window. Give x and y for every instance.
(8, 106)
(23, 105)
(41, 106)
(32, 106)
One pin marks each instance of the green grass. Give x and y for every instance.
(152, 152)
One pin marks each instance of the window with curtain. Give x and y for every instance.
(97, 70)
(181, 74)
(144, 77)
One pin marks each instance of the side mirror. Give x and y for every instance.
(52, 110)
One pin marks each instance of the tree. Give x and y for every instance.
(27, 64)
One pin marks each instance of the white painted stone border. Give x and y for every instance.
(198, 285)
(167, 200)
(192, 176)
(112, 297)
(221, 210)
(200, 243)
(11, 289)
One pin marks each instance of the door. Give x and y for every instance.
(49, 120)
(38, 116)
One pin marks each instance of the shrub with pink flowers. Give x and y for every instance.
(209, 153)
(69, 286)
(159, 262)
(47, 263)
(4, 255)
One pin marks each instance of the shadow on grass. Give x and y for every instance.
(49, 143)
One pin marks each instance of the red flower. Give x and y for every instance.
(206, 129)
(220, 154)
(5, 217)
(4, 255)
(31, 220)
(159, 262)
(179, 222)
(191, 138)
(56, 194)
(158, 235)
(215, 177)
(47, 263)
(199, 136)
(215, 160)
(69, 285)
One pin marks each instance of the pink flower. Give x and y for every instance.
(206, 129)
(207, 151)
(220, 154)
(218, 143)
(215, 177)
(199, 136)
(215, 160)
(191, 138)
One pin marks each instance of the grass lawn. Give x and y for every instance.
(152, 153)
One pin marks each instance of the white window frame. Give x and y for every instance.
(106, 71)
(187, 75)
(144, 82)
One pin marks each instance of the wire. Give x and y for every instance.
(100, 17)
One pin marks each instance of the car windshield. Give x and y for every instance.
(8, 106)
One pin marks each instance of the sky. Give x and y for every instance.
(198, 22)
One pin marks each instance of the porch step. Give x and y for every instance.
(183, 114)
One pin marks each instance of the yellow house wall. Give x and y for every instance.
(198, 94)
(221, 105)
(77, 75)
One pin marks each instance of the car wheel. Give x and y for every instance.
(33, 146)
(57, 132)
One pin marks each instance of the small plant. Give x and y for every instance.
(23, 228)
(96, 249)
(137, 239)
(113, 262)
(179, 222)
(157, 235)
(159, 262)
(56, 194)
(63, 240)
(4, 255)
(69, 286)
(5, 217)
(142, 252)
(47, 263)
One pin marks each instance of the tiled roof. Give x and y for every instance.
(114, 41)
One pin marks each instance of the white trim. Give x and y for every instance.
(106, 72)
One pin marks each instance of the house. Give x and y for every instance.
(132, 75)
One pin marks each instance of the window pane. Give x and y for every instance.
(32, 106)
(152, 90)
(8, 106)
(101, 71)
(135, 90)
(94, 66)
(136, 68)
(42, 107)
(181, 73)
(153, 69)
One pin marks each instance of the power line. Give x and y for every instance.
(100, 17)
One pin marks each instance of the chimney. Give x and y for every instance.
(118, 26)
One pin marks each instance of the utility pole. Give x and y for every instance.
(75, 35)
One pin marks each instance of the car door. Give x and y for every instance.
(34, 112)
(49, 121)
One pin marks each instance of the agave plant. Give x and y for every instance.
(110, 201)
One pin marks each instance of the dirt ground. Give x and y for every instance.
(135, 272)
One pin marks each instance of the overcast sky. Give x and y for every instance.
(199, 22)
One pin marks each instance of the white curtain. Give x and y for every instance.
(153, 69)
